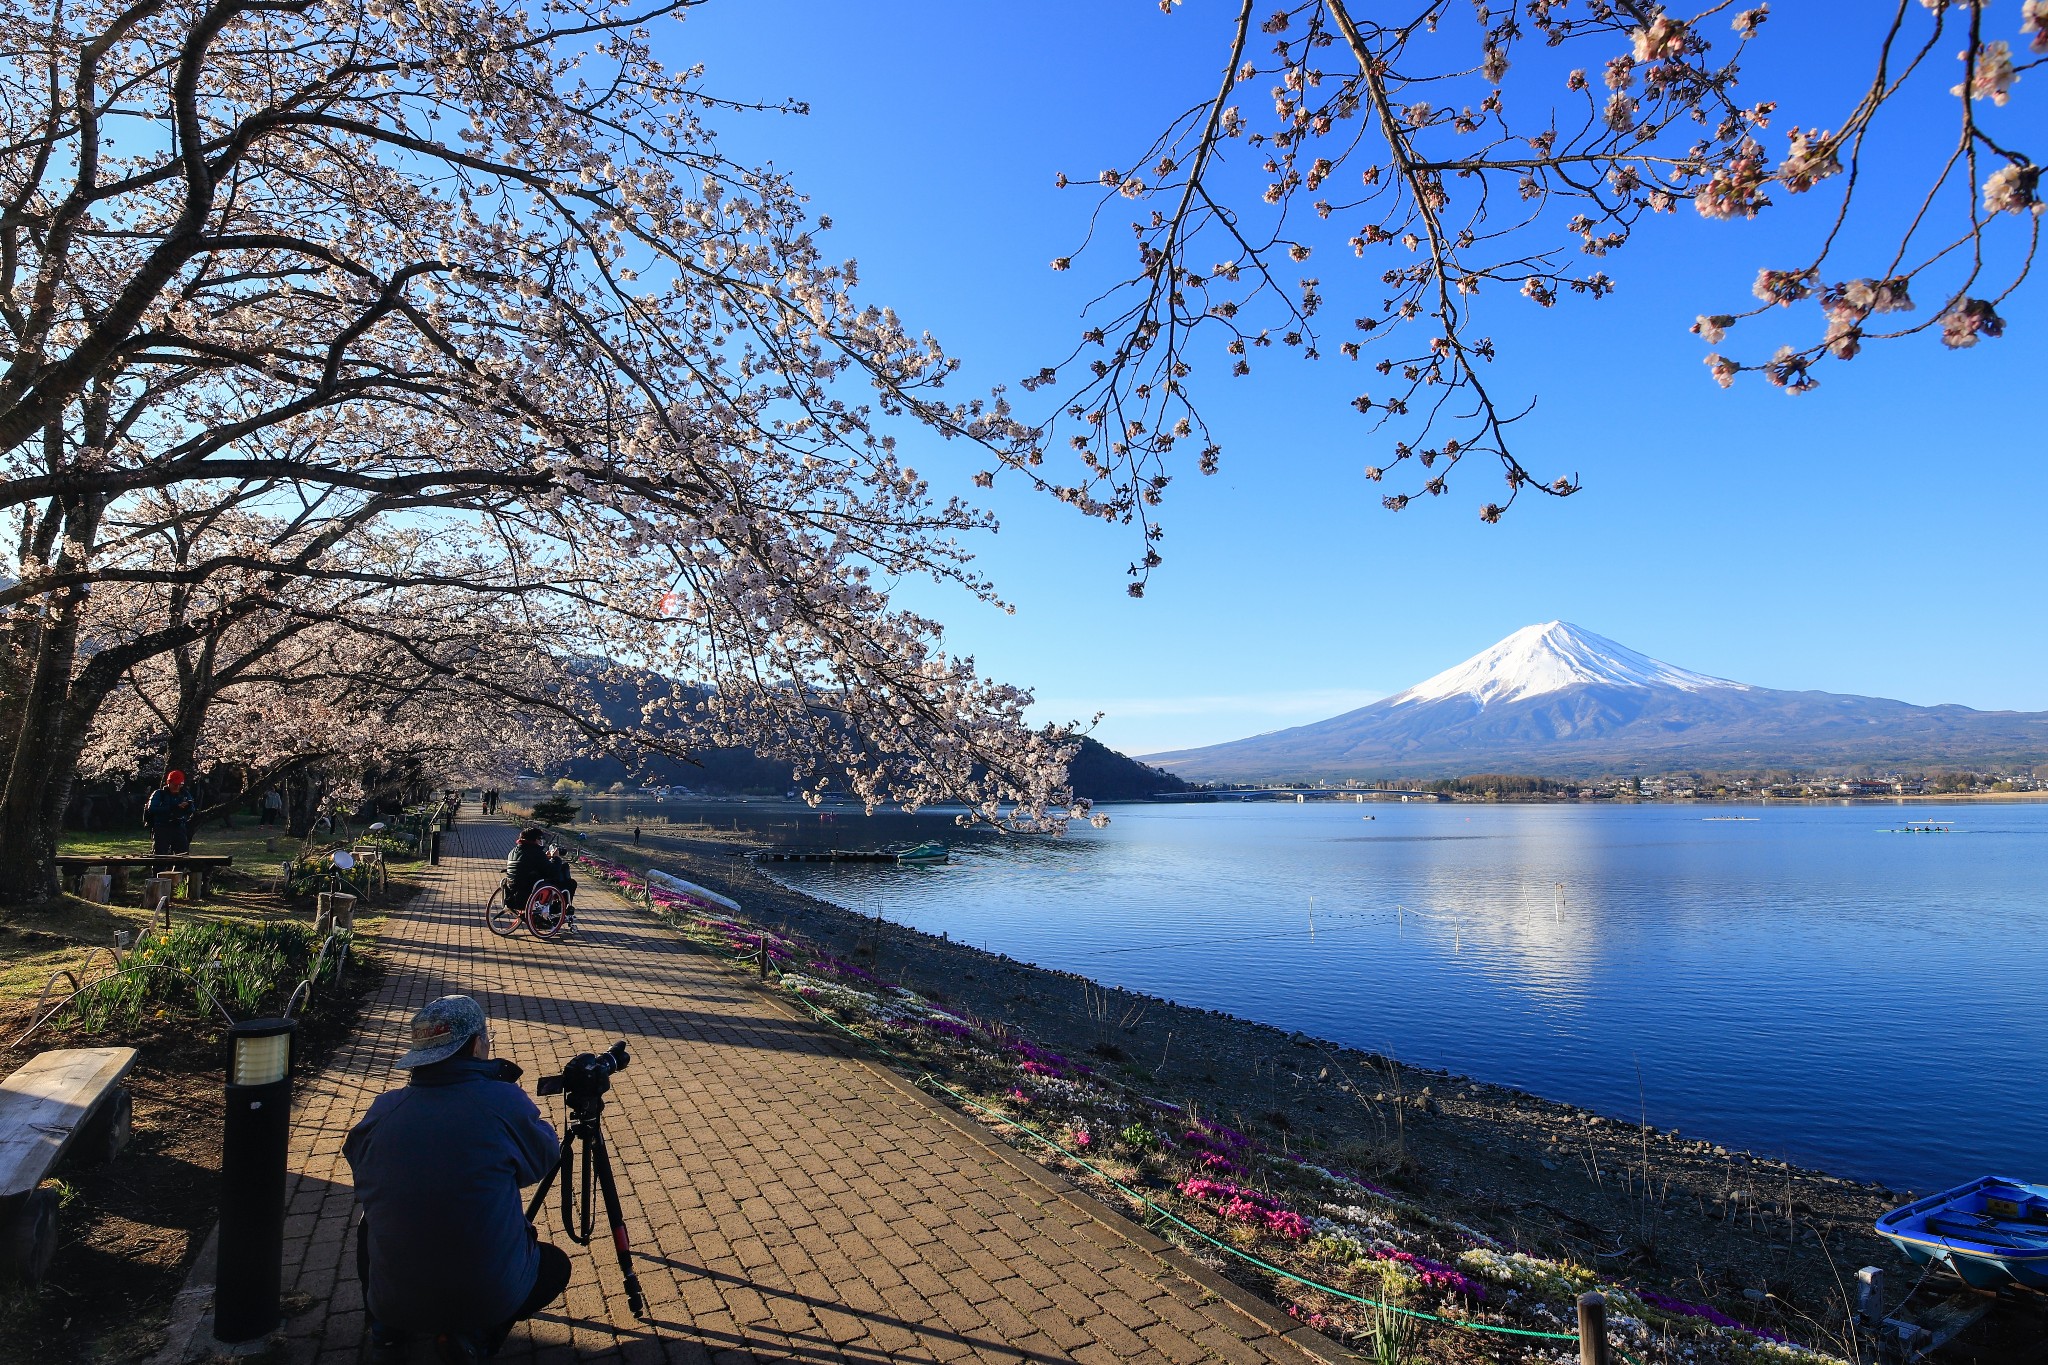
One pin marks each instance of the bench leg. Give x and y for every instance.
(28, 1240)
(106, 1132)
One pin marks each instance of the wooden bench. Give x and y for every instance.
(64, 1101)
(201, 865)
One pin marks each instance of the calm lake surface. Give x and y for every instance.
(1802, 984)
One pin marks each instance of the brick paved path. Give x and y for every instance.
(788, 1201)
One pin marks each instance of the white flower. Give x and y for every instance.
(2011, 189)
(1993, 75)
(2034, 20)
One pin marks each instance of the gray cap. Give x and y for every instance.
(443, 1029)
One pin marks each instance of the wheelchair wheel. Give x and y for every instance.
(547, 914)
(502, 918)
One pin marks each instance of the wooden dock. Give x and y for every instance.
(826, 855)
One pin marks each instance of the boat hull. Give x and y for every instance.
(1993, 1232)
(710, 899)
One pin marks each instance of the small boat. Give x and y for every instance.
(705, 896)
(924, 855)
(1993, 1232)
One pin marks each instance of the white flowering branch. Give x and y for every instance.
(1442, 137)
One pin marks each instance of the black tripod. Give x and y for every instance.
(586, 1125)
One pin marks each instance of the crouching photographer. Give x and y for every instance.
(445, 1250)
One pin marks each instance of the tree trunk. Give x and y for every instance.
(40, 767)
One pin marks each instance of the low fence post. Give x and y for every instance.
(1593, 1330)
(761, 942)
(1870, 1295)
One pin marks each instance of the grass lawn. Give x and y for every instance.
(60, 933)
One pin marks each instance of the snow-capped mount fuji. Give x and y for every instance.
(1557, 700)
(1551, 658)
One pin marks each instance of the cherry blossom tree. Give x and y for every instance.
(328, 686)
(361, 264)
(1360, 182)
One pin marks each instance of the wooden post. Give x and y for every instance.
(761, 942)
(333, 910)
(1870, 1295)
(156, 889)
(1593, 1330)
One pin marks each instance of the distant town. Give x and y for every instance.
(1771, 786)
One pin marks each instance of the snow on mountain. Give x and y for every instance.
(1536, 660)
(1554, 699)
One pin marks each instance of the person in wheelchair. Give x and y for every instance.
(533, 863)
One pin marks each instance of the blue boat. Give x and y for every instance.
(924, 855)
(1993, 1232)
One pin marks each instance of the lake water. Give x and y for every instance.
(1801, 984)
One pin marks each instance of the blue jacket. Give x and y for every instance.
(167, 807)
(438, 1166)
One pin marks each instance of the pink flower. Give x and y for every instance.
(1968, 320)
(1736, 191)
(1662, 38)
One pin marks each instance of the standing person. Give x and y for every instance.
(273, 807)
(168, 815)
(444, 1249)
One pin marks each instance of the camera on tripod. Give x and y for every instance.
(582, 1084)
(587, 1075)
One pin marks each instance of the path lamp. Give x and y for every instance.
(256, 1135)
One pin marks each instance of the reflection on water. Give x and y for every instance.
(1804, 985)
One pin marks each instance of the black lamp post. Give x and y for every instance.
(254, 1145)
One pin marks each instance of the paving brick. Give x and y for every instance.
(786, 1201)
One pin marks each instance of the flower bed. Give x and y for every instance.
(1227, 1196)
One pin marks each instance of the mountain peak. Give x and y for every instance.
(1549, 658)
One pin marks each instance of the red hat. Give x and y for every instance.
(175, 778)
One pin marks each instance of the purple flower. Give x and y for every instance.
(1665, 1303)
(1434, 1274)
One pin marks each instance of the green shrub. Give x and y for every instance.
(250, 969)
(1140, 1136)
(555, 811)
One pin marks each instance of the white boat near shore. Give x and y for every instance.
(668, 881)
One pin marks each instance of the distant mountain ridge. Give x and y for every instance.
(1096, 771)
(1558, 700)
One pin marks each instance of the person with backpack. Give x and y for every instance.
(168, 815)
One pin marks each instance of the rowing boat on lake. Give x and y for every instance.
(1993, 1232)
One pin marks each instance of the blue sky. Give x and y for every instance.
(1876, 536)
